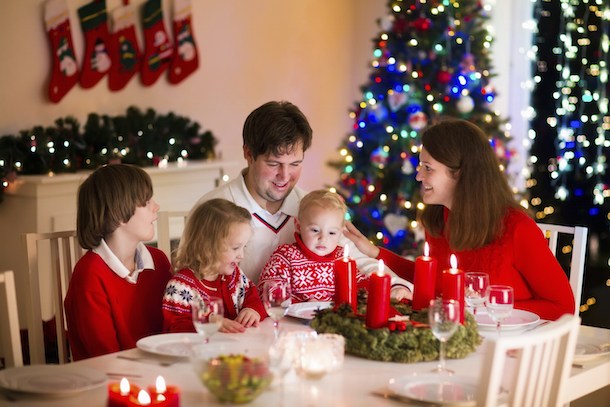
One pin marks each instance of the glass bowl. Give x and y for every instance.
(233, 373)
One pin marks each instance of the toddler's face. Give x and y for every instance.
(234, 247)
(320, 229)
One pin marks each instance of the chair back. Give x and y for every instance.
(541, 362)
(51, 258)
(577, 235)
(169, 224)
(11, 339)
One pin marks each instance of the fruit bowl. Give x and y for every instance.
(233, 373)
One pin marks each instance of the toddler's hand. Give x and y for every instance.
(248, 317)
(400, 292)
(230, 326)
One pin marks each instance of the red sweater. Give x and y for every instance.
(519, 258)
(237, 292)
(105, 313)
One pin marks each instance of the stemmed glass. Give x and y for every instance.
(207, 316)
(276, 299)
(443, 318)
(499, 304)
(476, 284)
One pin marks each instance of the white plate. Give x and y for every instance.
(586, 352)
(174, 344)
(306, 310)
(519, 319)
(436, 388)
(51, 380)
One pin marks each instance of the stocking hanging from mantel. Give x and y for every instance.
(185, 59)
(96, 61)
(123, 46)
(64, 71)
(157, 46)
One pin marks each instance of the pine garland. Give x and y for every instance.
(413, 344)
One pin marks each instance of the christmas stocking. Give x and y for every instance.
(64, 73)
(185, 59)
(123, 47)
(96, 61)
(157, 48)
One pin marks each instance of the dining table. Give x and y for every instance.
(358, 382)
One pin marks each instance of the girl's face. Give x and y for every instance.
(234, 245)
(437, 181)
(140, 226)
(320, 229)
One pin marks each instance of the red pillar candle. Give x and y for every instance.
(345, 281)
(163, 395)
(118, 393)
(424, 280)
(378, 304)
(453, 285)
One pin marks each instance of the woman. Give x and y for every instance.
(471, 212)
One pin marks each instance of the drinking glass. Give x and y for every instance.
(276, 299)
(476, 284)
(207, 316)
(499, 303)
(443, 318)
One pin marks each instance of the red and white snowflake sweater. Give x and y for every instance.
(237, 292)
(311, 277)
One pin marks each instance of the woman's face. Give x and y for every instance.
(437, 181)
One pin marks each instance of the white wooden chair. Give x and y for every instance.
(576, 275)
(11, 339)
(51, 258)
(169, 223)
(543, 360)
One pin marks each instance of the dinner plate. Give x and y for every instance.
(518, 320)
(51, 380)
(586, 352)
(307, 310)
(174, 344)
(436, 388)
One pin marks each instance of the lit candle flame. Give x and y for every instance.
(426, 250)
(345, 252)
(453, 261)
(144, 398)
(380, 270)
(124, 386)
(160, 384)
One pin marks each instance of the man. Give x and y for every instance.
(275, 136)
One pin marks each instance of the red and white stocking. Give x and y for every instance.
(185, 59)
(123, 47)
(96, 61)
(157, 46)
(64, 74)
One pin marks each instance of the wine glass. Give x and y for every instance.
(499, 303)
(476, 284)
(276, 299)
(207, 316)
(443, 318)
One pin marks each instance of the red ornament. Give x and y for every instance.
(443, 77)
(422, 24)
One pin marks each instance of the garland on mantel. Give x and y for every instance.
(140, 138)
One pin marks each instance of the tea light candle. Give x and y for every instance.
(378, 304)
(118, 393)
(453, 285)
(316, 357)
(163, 395)
(346, 290)
(143, 399)
(424, 280)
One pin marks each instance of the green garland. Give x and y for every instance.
(414, 344)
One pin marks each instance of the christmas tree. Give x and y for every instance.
(430, 60)
(570, 132)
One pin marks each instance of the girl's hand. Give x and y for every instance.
(248, 317)
(230, 326)
(360, 241)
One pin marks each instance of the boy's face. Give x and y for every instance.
(234, 247)
(320, 229)
(141, 225)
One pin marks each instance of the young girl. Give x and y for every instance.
(309, 263)
(207, 258)
(115, 292)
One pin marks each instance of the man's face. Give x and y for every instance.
(270, 177)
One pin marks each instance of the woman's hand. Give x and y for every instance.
(360, 241)
(230, 326)
(248, 317)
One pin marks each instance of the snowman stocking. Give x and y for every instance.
(64, 73)
(185, 59)
(96, 61)
(157, 47)
(123, 48)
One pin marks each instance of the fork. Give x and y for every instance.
(146, 360)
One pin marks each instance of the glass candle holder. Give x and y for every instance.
(321, 354)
